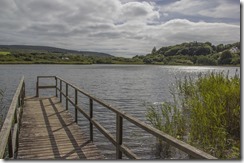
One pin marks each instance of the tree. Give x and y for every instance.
(147, 60)
(154, 50)
(225, 57)
(220, 47)
(205, 60)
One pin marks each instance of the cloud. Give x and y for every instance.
(122, 28)
(209, 8)
(138, 11)
(180, 30)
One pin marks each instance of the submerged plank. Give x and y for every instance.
(48, 131)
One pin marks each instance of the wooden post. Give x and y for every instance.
(76, 102)
(66, 96)
(19, 101)
(60, 85)
(56, 84)
(91, 116)
(119, 135)
(23, 94)
(10, 145)
(37, 90)
(24, 89)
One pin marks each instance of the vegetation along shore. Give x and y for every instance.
(188, 53)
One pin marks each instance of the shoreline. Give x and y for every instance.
(65, 63)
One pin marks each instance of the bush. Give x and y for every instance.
(225, 58)
(214, 107)
(205, 60)
(210, 110)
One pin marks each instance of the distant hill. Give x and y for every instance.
(193, 53)
(47, 49)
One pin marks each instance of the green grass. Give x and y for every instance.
(4, 53)
(206, 112)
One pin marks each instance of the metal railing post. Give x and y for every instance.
(91, 116)
(119, 135)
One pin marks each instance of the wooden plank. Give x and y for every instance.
(48, 132)
(46, 86)
(38, 77)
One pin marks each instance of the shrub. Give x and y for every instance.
(209, 107)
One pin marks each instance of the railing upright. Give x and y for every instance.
(76, 102)
(91, 116)
(10, 145)
(56, 85)
(60, 89)
(37, 87)
(119, 135)
(67, 96)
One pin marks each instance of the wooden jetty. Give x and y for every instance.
(41, 128)
(49, 132)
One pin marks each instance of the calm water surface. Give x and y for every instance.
(126, 87)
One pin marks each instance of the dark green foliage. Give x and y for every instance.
(154, 50)
(236, 61)
(225, 58)
(197, 53)
(148, 60)
(172, 51)
(205, 60)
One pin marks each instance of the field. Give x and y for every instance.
(4, 53)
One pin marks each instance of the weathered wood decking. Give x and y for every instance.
(49, 132)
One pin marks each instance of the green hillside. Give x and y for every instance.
(194, 53)
(47, 50)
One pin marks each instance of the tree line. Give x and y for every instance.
(194, 53)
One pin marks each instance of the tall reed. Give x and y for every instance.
(206, 112)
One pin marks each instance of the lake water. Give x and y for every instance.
(127, 87)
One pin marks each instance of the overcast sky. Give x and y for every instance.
(118, 27)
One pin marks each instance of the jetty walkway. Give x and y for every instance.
(42, 128)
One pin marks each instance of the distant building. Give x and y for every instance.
(234, 50)
(65, 58)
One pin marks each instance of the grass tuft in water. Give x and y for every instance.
(205, 113)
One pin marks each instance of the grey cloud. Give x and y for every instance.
(138, 11)
(106, 35)
(126, 27)
(207, 8)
